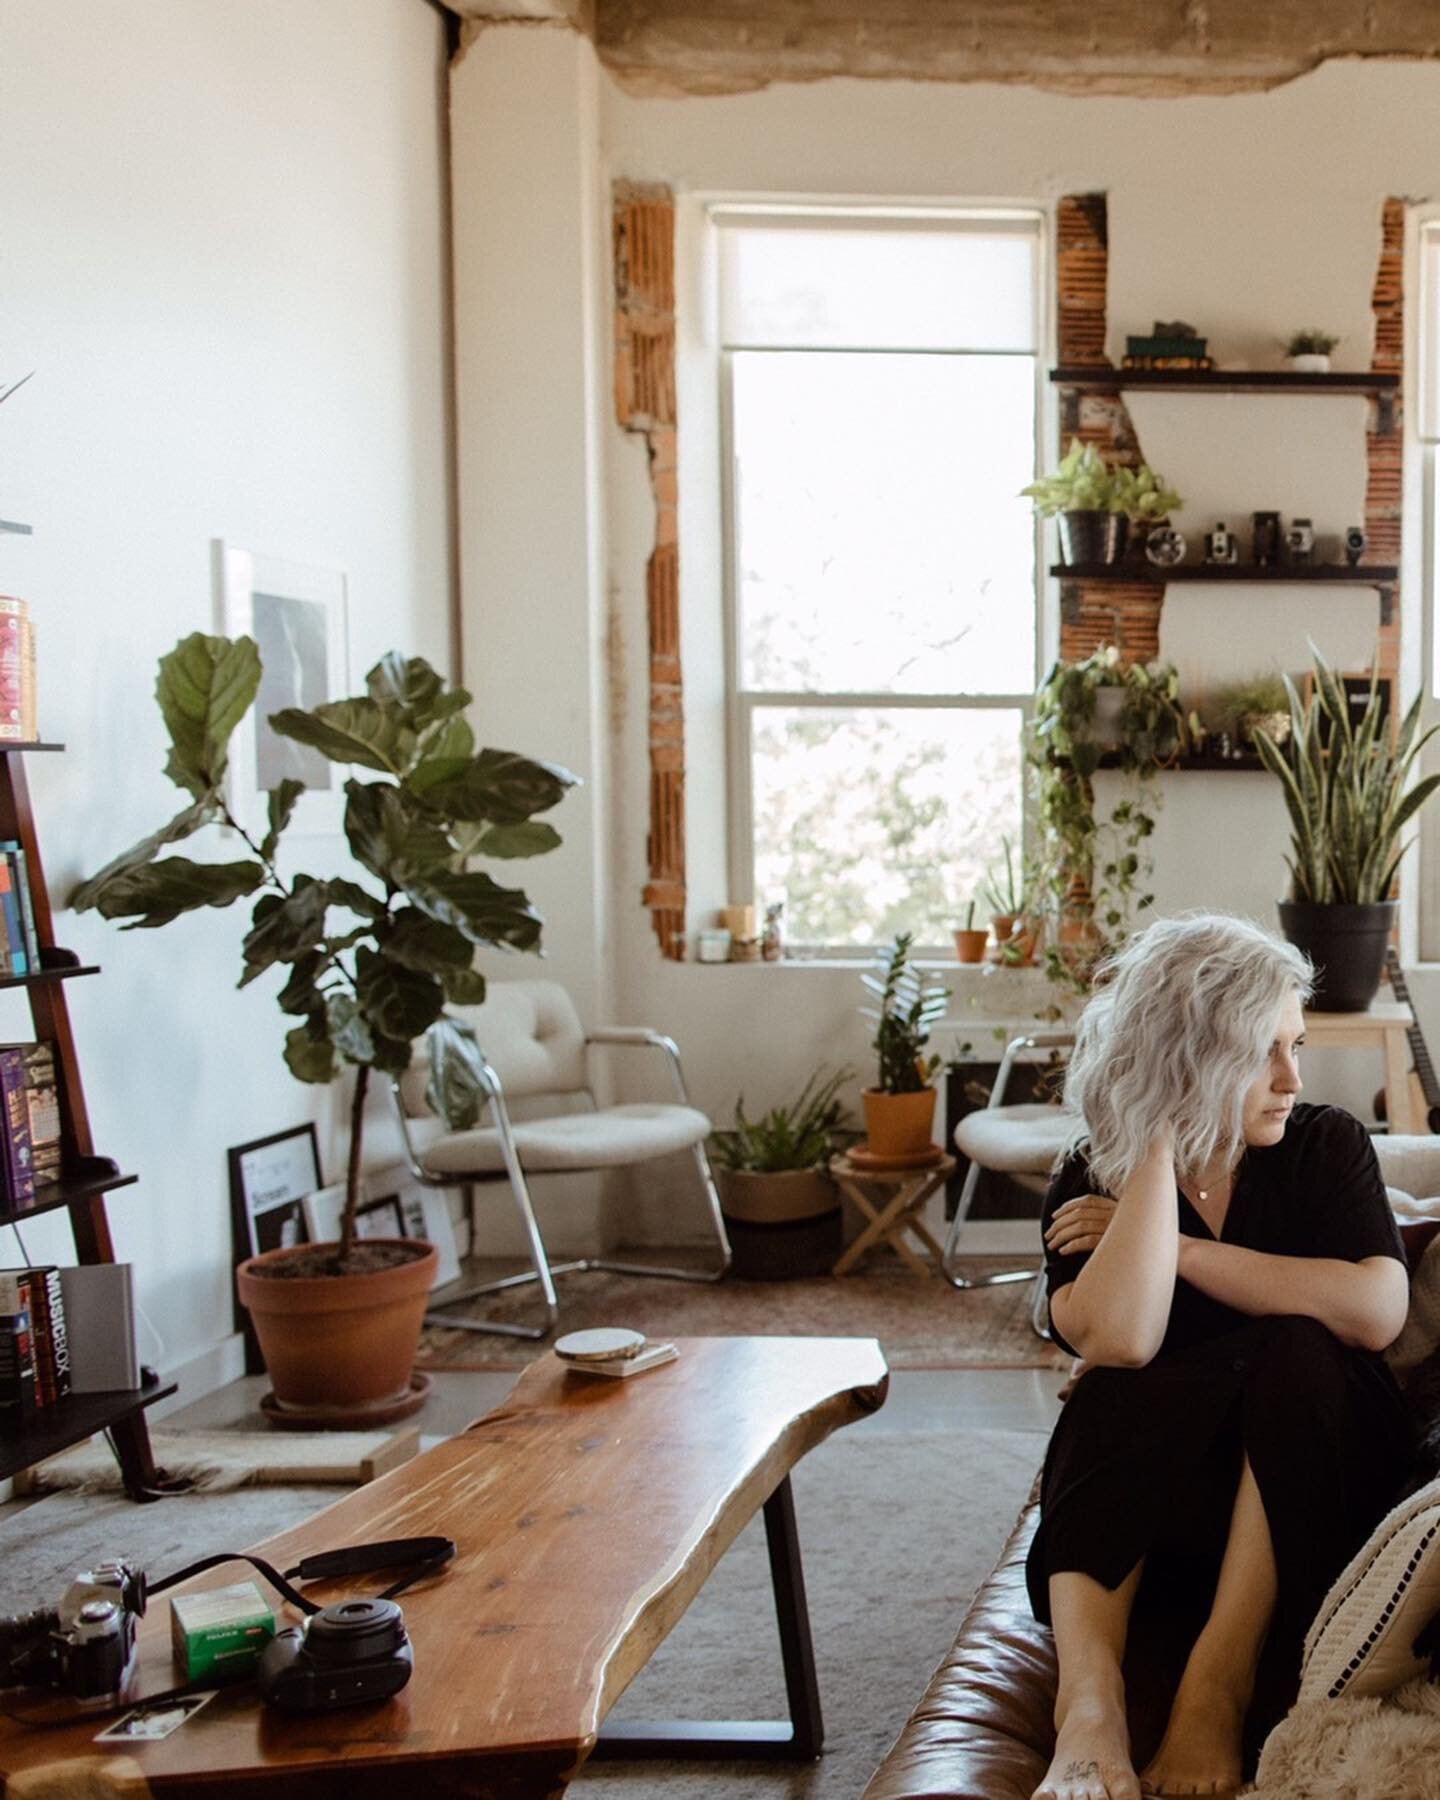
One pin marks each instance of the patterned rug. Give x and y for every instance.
(920, 1324)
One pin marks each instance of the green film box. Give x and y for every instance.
(221, 1632)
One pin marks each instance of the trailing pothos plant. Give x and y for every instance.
(1096, 868)
(372, 964)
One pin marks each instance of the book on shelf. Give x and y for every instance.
(37, 1293)
(18, 1395)
(99, 1302)
(14, 959)
(17, 1174)
(14, 854)
(42, 1105)
(19, 722)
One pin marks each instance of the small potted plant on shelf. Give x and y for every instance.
(1308, 352)
(1345, 781)
(970, 939)
(900, 1108)
(1255, 703)
(370, 964)
(1095, 504)
(782, 1210)
(1007, 892)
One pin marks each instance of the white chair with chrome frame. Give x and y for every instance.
(535, 1052)
(1023, 1142)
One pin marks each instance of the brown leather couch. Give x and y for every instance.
(984, 1728)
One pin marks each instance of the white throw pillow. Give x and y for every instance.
(1363, 1637)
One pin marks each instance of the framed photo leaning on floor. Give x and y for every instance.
(270, 1180)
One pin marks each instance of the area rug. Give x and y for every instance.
(921, 1324)
(216, 1460)
(897, 1529)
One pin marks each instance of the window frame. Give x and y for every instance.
(1422, 455)
(741, 703)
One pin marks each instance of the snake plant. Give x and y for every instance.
(1345, 785)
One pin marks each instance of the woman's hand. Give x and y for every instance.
(1080, 1224)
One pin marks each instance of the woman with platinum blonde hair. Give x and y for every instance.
(1223, 1259)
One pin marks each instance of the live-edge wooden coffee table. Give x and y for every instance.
(587, 1514)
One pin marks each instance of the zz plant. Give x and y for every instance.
(910, 1006)
(371, 964)
(1345, 785)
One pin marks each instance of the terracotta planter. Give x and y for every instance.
(338, 1345)
(898, 1124)
(970, 945)
(1017, 939)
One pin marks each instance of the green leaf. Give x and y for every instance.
(531, 839)
(183, 825)
(205, 686)
(497, 786)
(393, 1055)
(348, 1028)
(309, 1053)
(281, 931)
(159, 892)
(480, 907)
(351, 894)
(375, 735)
(448, 744)
(281, 808)
(413, 686)
(463, 987)
(387, 837)
(400, 1003)
(456, 1088)
(417, 941)
(300, 994)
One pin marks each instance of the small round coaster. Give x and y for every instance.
(603, 1341)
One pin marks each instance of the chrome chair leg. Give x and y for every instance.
(717, 1220)
(997, 1277)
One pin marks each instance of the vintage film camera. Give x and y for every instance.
(86, 1646)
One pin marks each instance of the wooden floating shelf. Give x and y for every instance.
(54, 1428)
(1229, 381)
(1200, 762)
(40, 975)
(1148, 574)
(29, 744)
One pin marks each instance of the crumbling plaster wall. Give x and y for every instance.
(1249, 215)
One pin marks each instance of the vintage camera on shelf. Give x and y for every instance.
(86, 1646)
(344, 1655)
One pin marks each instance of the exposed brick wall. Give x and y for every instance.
(1094, 614)
(644, 237)
(1081, 272)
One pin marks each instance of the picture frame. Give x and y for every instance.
(396, 1206)
(374, 1218)
(1356, 689)
(297, 614)
(425, 1213)
(271, 1179)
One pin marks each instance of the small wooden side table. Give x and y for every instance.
(892, 1200)
(1383, 1028)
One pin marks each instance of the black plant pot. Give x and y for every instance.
(1092, 537)
(1346, 945)
(785, 1251)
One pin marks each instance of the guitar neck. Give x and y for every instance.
(1419, 1052)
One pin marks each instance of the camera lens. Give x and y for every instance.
(353, 1630)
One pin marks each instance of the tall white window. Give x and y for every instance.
(880, 391)
(1428, 433)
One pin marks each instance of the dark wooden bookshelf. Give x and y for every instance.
(68, 1421)
(1228, 381)
(1201, 762)
(1150, 574)
(87, 1177)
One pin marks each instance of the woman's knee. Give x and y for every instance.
(1292, 1360)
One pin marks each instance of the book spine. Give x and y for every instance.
(42, 1338)
(42, 1094)
(13, 614)
(29, 694)
(17, 1366)
(14, 918)
(20, 867)
(19, 1175)
(59, 1336)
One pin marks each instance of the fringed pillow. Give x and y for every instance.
(1363, 1637)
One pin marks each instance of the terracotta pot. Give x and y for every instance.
(970, 945)
(1017, 939)
(332, 1342)
(898, 1124)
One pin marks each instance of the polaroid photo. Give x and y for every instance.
(145, 1724)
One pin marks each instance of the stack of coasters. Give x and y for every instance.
(612, 1350)
(219, 1634)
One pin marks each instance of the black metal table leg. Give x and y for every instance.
(798, 1738)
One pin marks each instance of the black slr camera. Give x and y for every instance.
(343, 1655)
(86, 1645)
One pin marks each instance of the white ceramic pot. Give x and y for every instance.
(1312, 362)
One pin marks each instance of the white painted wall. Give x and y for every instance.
(222, 254)
(1250, 215)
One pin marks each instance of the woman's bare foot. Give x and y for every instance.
(1092, 1755)
(1201, 1750)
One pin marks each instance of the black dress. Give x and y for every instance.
(1145, 1462)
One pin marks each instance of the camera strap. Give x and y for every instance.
(427, 1554)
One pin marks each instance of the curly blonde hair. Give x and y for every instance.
(1178, 1030)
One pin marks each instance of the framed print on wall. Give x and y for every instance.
(296, 614)
(270, 1181)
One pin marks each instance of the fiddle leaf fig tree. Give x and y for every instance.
(370, 964)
